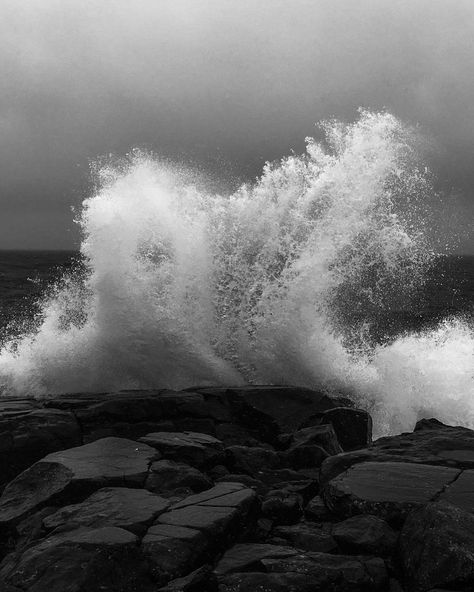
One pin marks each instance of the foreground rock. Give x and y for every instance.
(74, 473)
(272, 568)
(227, 489)
(437, 548)
(105, 559)
(387, 489)
(130, 509)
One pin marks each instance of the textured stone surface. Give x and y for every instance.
(28, 433)
(386, 489)
(432, 443)
(131, 509)
(310, 572)
(437, 548)
(353, 427)
(365, 534)
(307, 536)
(110, 461)
(248, 557)
(99, 560)
(251, 460)
(167, 476)
(173, 551)
(461, 492)
(196, 449)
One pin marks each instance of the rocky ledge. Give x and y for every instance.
(261, 488)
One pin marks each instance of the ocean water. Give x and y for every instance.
(318, 274)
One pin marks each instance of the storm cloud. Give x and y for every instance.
(223, 84)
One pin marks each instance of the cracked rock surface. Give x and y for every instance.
(238, 489)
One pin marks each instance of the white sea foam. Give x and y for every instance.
(275, 283)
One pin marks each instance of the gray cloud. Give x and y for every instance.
(225, 83)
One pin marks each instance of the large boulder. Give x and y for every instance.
(169, 478)
(28, 433)
(365, 534)
(432, 443)
(198, 527)
(130, 509)
(75, 473)
(268, 408)
(251, 460)
(174, 551)
(97, 560)
(281, 569)
(199, 450)
(387, 489)
(437, 548)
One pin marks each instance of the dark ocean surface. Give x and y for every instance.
(26, 276)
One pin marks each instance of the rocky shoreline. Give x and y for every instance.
(262, 489)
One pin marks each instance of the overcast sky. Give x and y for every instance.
(226, 84)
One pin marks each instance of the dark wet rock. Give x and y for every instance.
(74, 472)
(461, 492)
(199, 450)
(258, 486)
(200, 425)
(251, 460)
(173, 551)
(27, 434)
(267, 582)
(300, 457)
(130, 509)
(311, 572)
(437, 548)
(317, 511)
(232, 434)
(433, 443)
(167, 476)
(197, 527)
(249, 556)
(199, 580)
(308, 537)
(40, 484)
(99, 560)
(322, 435)
(353, 427)
(303, 482)
(365, 534)
(267, 407)
(282, 507)
(389, 489)
(222, 513)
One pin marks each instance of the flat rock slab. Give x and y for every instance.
(388, 489)
(461, 492)
(105, 559)
(130, 509)
(185, 537)
(218, 512)
(432, 443)
(196, 449)
(106, 462)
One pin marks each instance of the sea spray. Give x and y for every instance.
(281, 282)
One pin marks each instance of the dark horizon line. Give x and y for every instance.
(39, 250)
